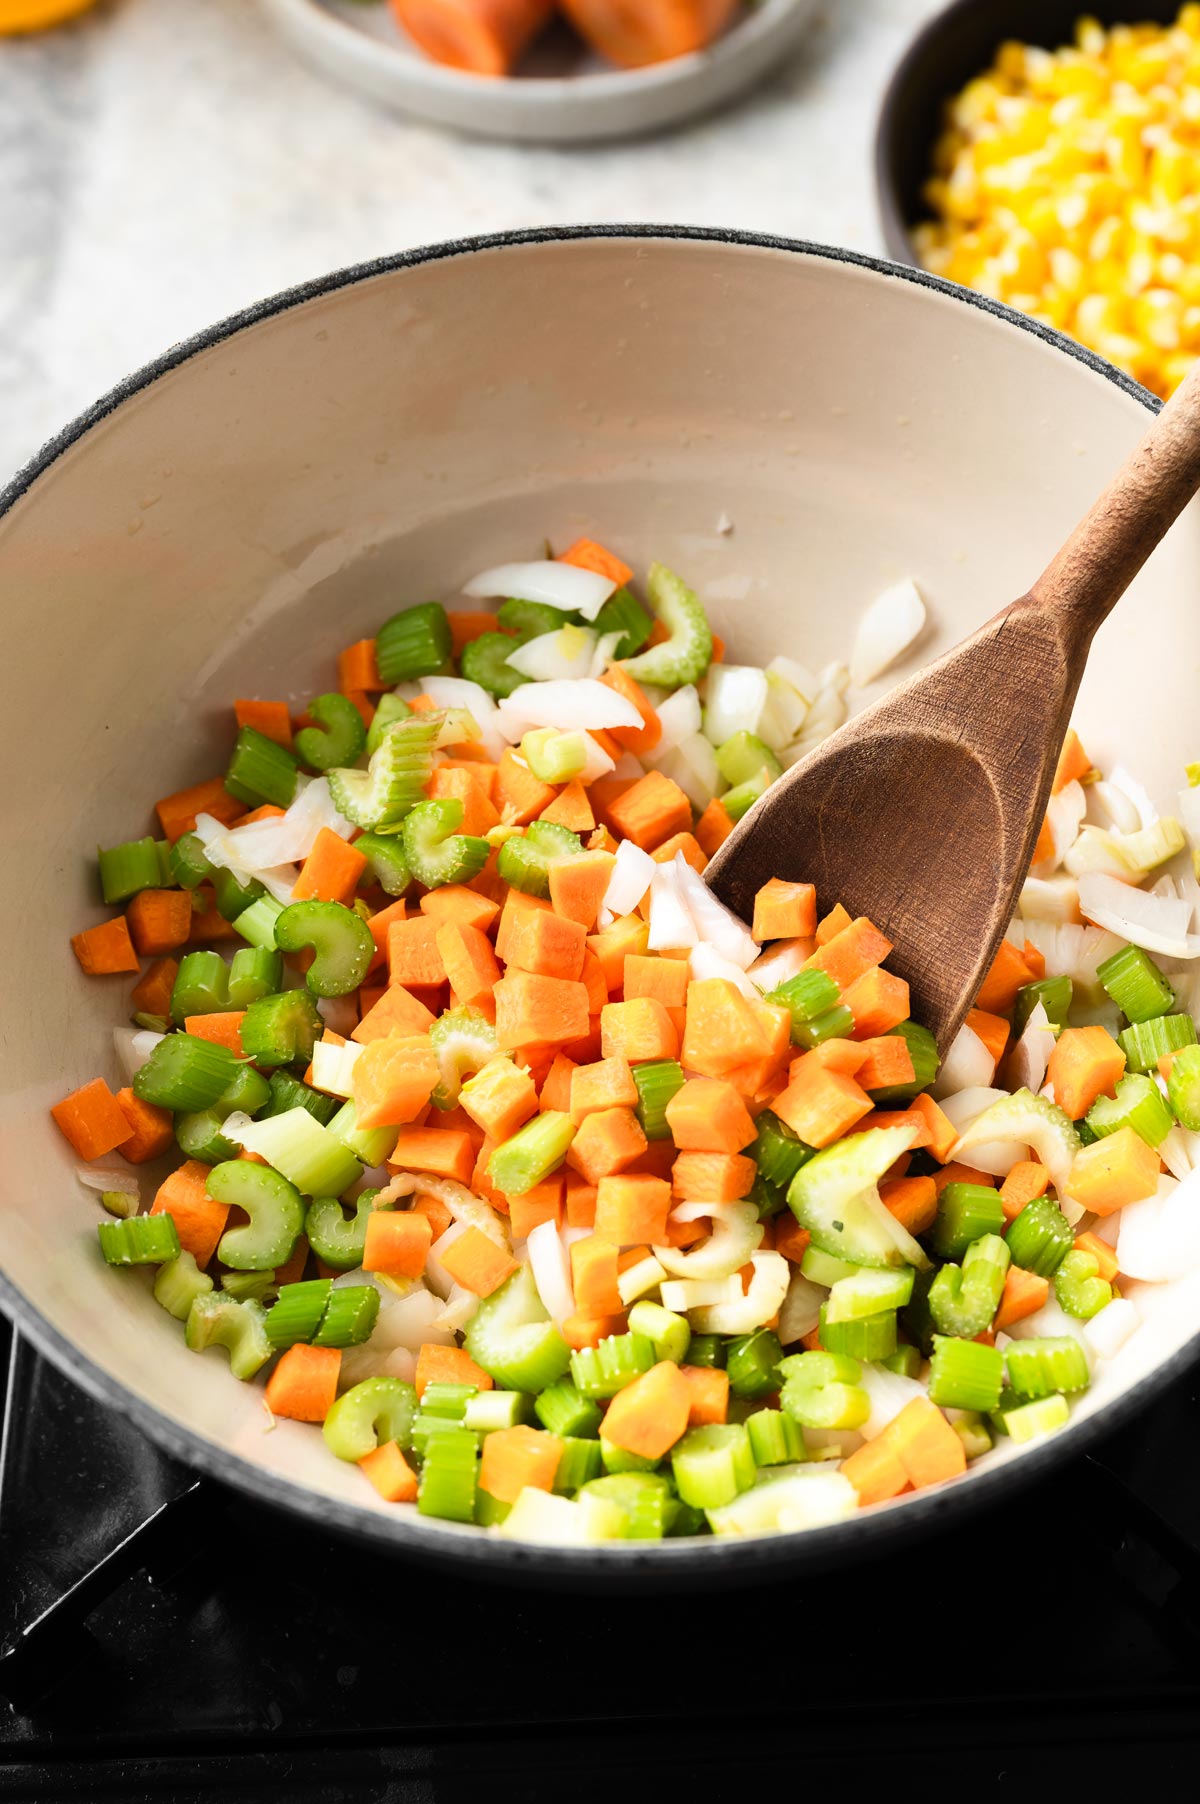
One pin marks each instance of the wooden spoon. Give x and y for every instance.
(922, 812)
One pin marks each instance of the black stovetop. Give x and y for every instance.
(169, 1639)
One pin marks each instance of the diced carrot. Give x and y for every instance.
(879, 1001)
(555, 1092)
(577, 887)
(1114, 1171)
(608, 1084)
(396, 1012)
(484, 37)
(469, 962)
(714, 827)
(1037, 960)
(303, 1385)
(1023, 1294)
(701, 1177)
(448, 1365)
(105, 949)
(467, 625)
(613, 945)
(888, 1062)
(849, 953)
(208, 926)
(594, 982)
(159, 920)
(571, 809)
(589, 556)
(413, 956)
(272, 719)
(942, 1131)
(548, 945)
(846, 1056)
(631, 1210)
(594, 1276)
(516, 910)
(790, 1238)
(442, 1151)
(784, 911)
(663, 979)
(434, 1209)
(589, 1330)
(357, 668)
(520, 795)
(1044, 848)
(925, 1444)
(177, 813)
(364, 704)
(606, 1142)
(479, 814)
(654, 31)
(832, 924)
(1027, 1180)
(543, 1203)
(501, 1098)
(651, 810)
(876, 1471)
(958, 1173)
(638, 740)
(456, 905)
(223, 1028)
(722, 1030)
(331, 871)
(820, 1105)
(199, 1220)
(993, 1030)
(1073, 762)
(708, 1116)
(393, 1079)
(637, 1029)
(1085, 1064)
(708, 1394)
(648, 1416)
(579, 1201)
(532, 1010)
(390, 1473)
(151, 995)
(689, 845)
(92, 1119)
(397, 1242)
(910, 1118)
(151, 1128)
(477, 1263)
(516, 1458)
(913, 1202)
(1009, 971)
(379, 924)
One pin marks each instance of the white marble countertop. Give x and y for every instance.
(164, 162)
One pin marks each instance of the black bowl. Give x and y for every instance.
(955, 45)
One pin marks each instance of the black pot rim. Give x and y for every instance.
(621, 1563)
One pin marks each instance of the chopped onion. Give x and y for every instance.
(1127, 783)
(556, 585)
(1114, 807)
(967, 1065)
(888, 1393)
(551, 1271)
(638, 1280)
(671, 926)
(1159, 1237)
(408, 1321)
(790, 692)
(679, 717)
(460, 1306)
(716, 925)
(1050, 899)
(1073, 952)
(743, 1314)
(369, 1361)
(282, 840)
(563, 655)
(1064, 817)
(458, 692)
(705, 961)
(1050, 1321)
(736, 1232)
(801, 1309)
(1109, 1329)
(824, 717)
(962, 1108)
(1096, 849)
(693, 765)
(569, 706)
(597, 762)
(631, 877)
(1156, 923)
(1189, 810)
(782, 960)
(333, 1066)
(627, 766)
(102, 1178)
(605, 653)
(887, 629)
(1031, 1054)
(133, 1046)
(735, 697)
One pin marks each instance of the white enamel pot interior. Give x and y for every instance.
(233, 515)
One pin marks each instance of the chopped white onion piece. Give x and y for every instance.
(693, 765)
(782, 960)
(554, 584)
(460, 1306)
(1127, 783)
(736, 1232)
(631, 877)
(1159, 1237)
(1031, 1054)
(605, 652)
(1114, 808)
(887, 1393)
(100, 1178)
(790, 692)
(801, 1309)
(597, 762)
(887, 629)
(1050, 899)
(628, 767)
(735, 697)
(1188, 810)
(967, 1065)
(551, 1271)
(569, 706)
(408, 1321)
(639, 1280)
(705, 961)
(679, 717)
(370, 1361)
(743, 1314)
(1064, 817)
(563, 655)
(1050, 1321)
(1074, 952)
(1156, 923)
(1109, 1329)
(333, 1067)
(671, 926)
(133, 1046)
(458, 692)
(1096, 849)
(717, 925)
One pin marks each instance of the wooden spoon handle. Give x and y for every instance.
(1113, 540)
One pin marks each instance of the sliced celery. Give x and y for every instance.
(275, 1210)
(378, 1409)
(215, 1320)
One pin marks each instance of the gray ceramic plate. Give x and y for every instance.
(231, 516)
(564, 97)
